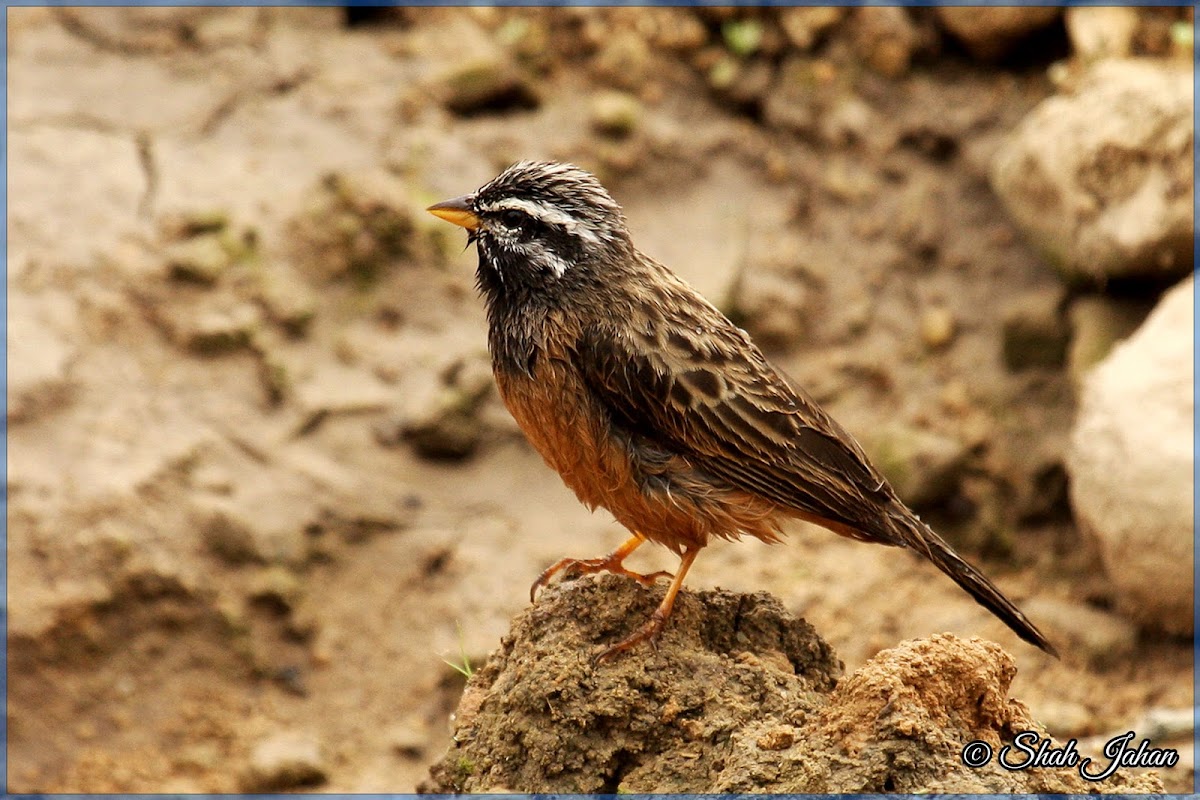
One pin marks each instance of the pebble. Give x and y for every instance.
(623, 61)
(277, 585)
(804, 26)
(938, 327)
(989, 32)
(616, 114)
(286, 760)
(289, 300)
(201, 259)
(410, 736)
(885, 37)
(486, 84)
(217, 330)
(780, 738)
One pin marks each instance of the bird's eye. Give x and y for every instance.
(512, 218)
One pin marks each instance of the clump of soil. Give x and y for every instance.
(737, 696)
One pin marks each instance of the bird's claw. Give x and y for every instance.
(648, 633)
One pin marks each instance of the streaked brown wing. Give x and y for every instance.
(712, 397)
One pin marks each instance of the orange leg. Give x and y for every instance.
(609, 563)
(650, 631)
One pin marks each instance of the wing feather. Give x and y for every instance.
(714, 399)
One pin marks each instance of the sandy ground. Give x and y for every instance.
(224, 533)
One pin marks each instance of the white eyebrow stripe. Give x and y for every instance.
(545, 213)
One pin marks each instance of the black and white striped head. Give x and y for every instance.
(540, 227)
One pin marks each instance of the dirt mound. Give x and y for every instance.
(738, 696)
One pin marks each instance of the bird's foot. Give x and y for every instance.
(653, 627)
(590, 566)
(647, 633)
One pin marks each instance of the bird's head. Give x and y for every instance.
(541, 228)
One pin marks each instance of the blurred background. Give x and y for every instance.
(264, 505)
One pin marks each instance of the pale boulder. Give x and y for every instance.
(1132, 463)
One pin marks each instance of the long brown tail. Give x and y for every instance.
(920, 537)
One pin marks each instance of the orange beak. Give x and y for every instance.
(457, 211)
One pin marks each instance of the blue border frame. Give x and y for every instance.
(522, 3)
(598, 3)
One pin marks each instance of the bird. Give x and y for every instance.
(651, 403)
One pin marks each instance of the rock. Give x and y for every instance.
(229, 538)
(441, 419)
(1035, 334)
(623, 61)
(1101, 31)
(355, 227)
(917, 225)
(283, 761)
(850, 120)
(1101, 180)
(1097, 323)
(680, 33)
(923, 466)
(805, 25)
(200, 259)
(885, 37)
(743, 37)
(486, 84)
(742, 83)
(923, 697)
(616, 114)
(990, 32)
(216, 328)
(278, 587)
(846, 180)
(258, 524)
(410, 736)
(1131, 464)
(449, 429)
(1098, 638)
(938, 327)
(790, 103)
(775, 295)
(287, 298)
(774, 306)
(178, 225)
(529, 42)
(737, 697)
